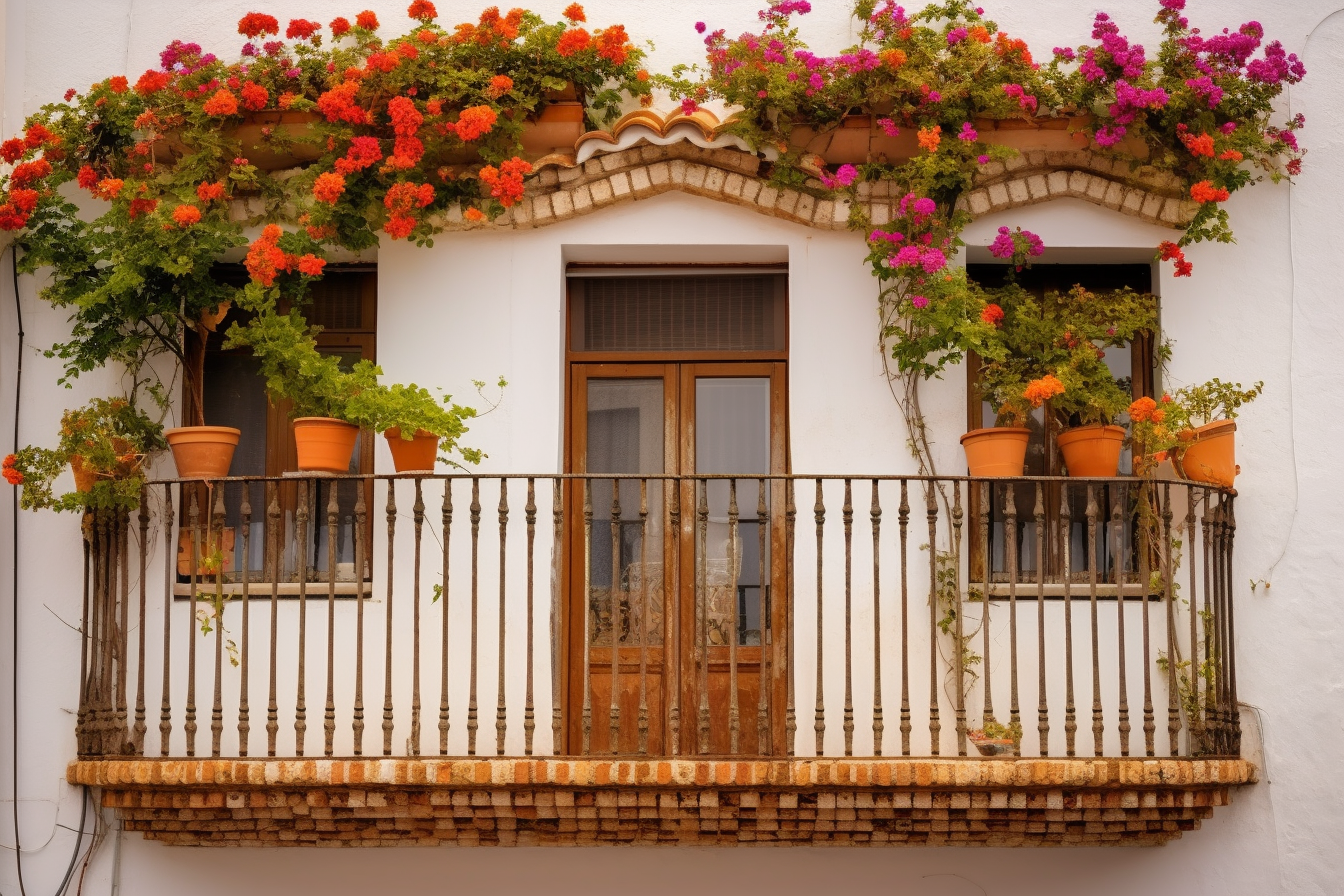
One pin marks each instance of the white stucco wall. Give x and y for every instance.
(476, 306)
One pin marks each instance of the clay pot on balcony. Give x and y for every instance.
(202, 452)
(992, 746)
(128, 465)
(324, 444)
(1092, 451)
(848, 143)
(996, 450)
(1209, 453)
(268, 139)
(415, 455)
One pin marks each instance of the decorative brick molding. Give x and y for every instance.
(565, 188)
(924, 802)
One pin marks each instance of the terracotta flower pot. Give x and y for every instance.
(415, 455)
(993, 746)
(1210, 454)
(128, 465)
(257, 132)
(202, 452)
(996, 451)
(324, 444)
(1092, 450)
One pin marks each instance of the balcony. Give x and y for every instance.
(315, 659)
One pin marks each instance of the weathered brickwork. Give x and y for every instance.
(1027, 802)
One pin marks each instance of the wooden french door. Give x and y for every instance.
(686, 576)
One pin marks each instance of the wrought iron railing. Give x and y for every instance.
(661, 615)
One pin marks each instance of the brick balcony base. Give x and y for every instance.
(915, 802)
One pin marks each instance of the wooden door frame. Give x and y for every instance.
(678, 563)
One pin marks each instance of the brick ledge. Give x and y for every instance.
(1099, 773)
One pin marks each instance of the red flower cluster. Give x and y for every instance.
(186, 215)
(1201, 145)
(11, 470)
(152, 82)
(141, 206)
(406, 121)
(338, 104)
(302, 29)
(367, 20)
(117, 83)
(475, 122)
(363, 152)
(422, 10)
(1205, 191)
(265, 258)
(14, 213)
(992, 315)
(574, 12)
(37, 134)
(222, 103)
(328, 187)
(310, 265)
(12, 150)
(339, 26)
(401, 200)
(1172, 252)
(474, 215)
(506, 181)
(208, 192)
(382, 62)
(499, 85)
(87, 177)
(255, 24)
(28, 172)
(254, 96)
(573, 41)
(613, 44)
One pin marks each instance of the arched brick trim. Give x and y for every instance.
(565, 189)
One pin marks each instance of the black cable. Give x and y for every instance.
(14, 504)
(79, 838)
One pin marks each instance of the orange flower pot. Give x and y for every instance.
(415, 455)
(1092, 450)
(203, 452)
(1209, 453)
(996, 451)
(324, 444)
(128, 464)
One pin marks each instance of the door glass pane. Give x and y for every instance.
(732, 435)
(235, 395)
(625, 429)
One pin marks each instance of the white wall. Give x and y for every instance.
(477, 306)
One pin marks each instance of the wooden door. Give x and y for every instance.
(686, 572)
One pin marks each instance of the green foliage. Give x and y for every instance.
(1215, 400)
(1064, 336)
(110, 440)
(317, 385)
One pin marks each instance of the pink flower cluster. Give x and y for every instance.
(1018, 245)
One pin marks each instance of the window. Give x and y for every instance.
(344, 304)
(1136, 364)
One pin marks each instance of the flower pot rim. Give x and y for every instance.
(985, 430)
(1208, 430)
(169, 434)
(394, 432)
(309, 421)
(1103, 430)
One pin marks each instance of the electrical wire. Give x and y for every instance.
(14, 595)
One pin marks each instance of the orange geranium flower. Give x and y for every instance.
(367, 20)
(186, 215)
(893, 58)
(222, 103)
(208, 191)
(574, 12)
(573, 41)
(1205, 191)
(1142, 410)
(1037, 392)
(475, 122)
(499, 85)
(929, 138)
(328, 187)
(473, 215)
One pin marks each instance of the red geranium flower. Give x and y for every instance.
(255, 24)
(255, 96)
(222, 103)
(339, 26)
(186, 215)
(367, 20)
(422, 10)
(302, 29)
